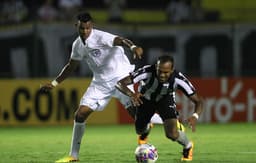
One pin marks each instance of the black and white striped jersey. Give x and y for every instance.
(154, 90)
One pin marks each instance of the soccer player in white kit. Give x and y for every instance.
(105, 56)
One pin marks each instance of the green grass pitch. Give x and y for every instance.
(214, 143)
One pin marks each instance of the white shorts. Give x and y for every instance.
(98, 95)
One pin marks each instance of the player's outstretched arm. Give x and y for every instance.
(122, 87)
(198, 101)
(136, 50)
(65, 72)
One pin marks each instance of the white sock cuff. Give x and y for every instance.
(79, 123)
(188, 145)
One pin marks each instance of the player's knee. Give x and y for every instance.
(172, 135)
(82, 113)
(79, 119)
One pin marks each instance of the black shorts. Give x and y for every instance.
(166, 108)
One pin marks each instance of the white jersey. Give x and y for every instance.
(105, 60)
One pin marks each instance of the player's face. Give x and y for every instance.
(164, 71)
(84, 29)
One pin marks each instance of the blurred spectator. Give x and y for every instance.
(13, 11)
(178, 11)
(47, 12)
(115, 10)
(68, 8)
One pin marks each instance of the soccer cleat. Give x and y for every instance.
(142, 141)
(67, 159)
(188, 153)
(143, 138)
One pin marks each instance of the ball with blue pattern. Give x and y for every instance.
(146, 153)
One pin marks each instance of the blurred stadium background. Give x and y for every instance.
(213, 42)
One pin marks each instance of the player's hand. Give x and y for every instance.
(46, 88)
(137, 52)
(136, 101)
(192, 123)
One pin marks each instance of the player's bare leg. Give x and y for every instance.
(156, 119)
(143, 137)
(172, 132)
(81, 115)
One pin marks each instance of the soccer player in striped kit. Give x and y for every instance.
(156, 93)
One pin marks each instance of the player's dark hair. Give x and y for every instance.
(84, 17)
(166, 58)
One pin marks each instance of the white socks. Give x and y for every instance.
(183, 139)
(78, 132)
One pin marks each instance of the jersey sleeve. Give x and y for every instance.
(185, 85)
(107, 38)
(75, 55)
(140, 74)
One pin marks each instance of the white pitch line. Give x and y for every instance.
(242, 152)
(247, 152)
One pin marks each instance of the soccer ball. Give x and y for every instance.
(146, 153)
